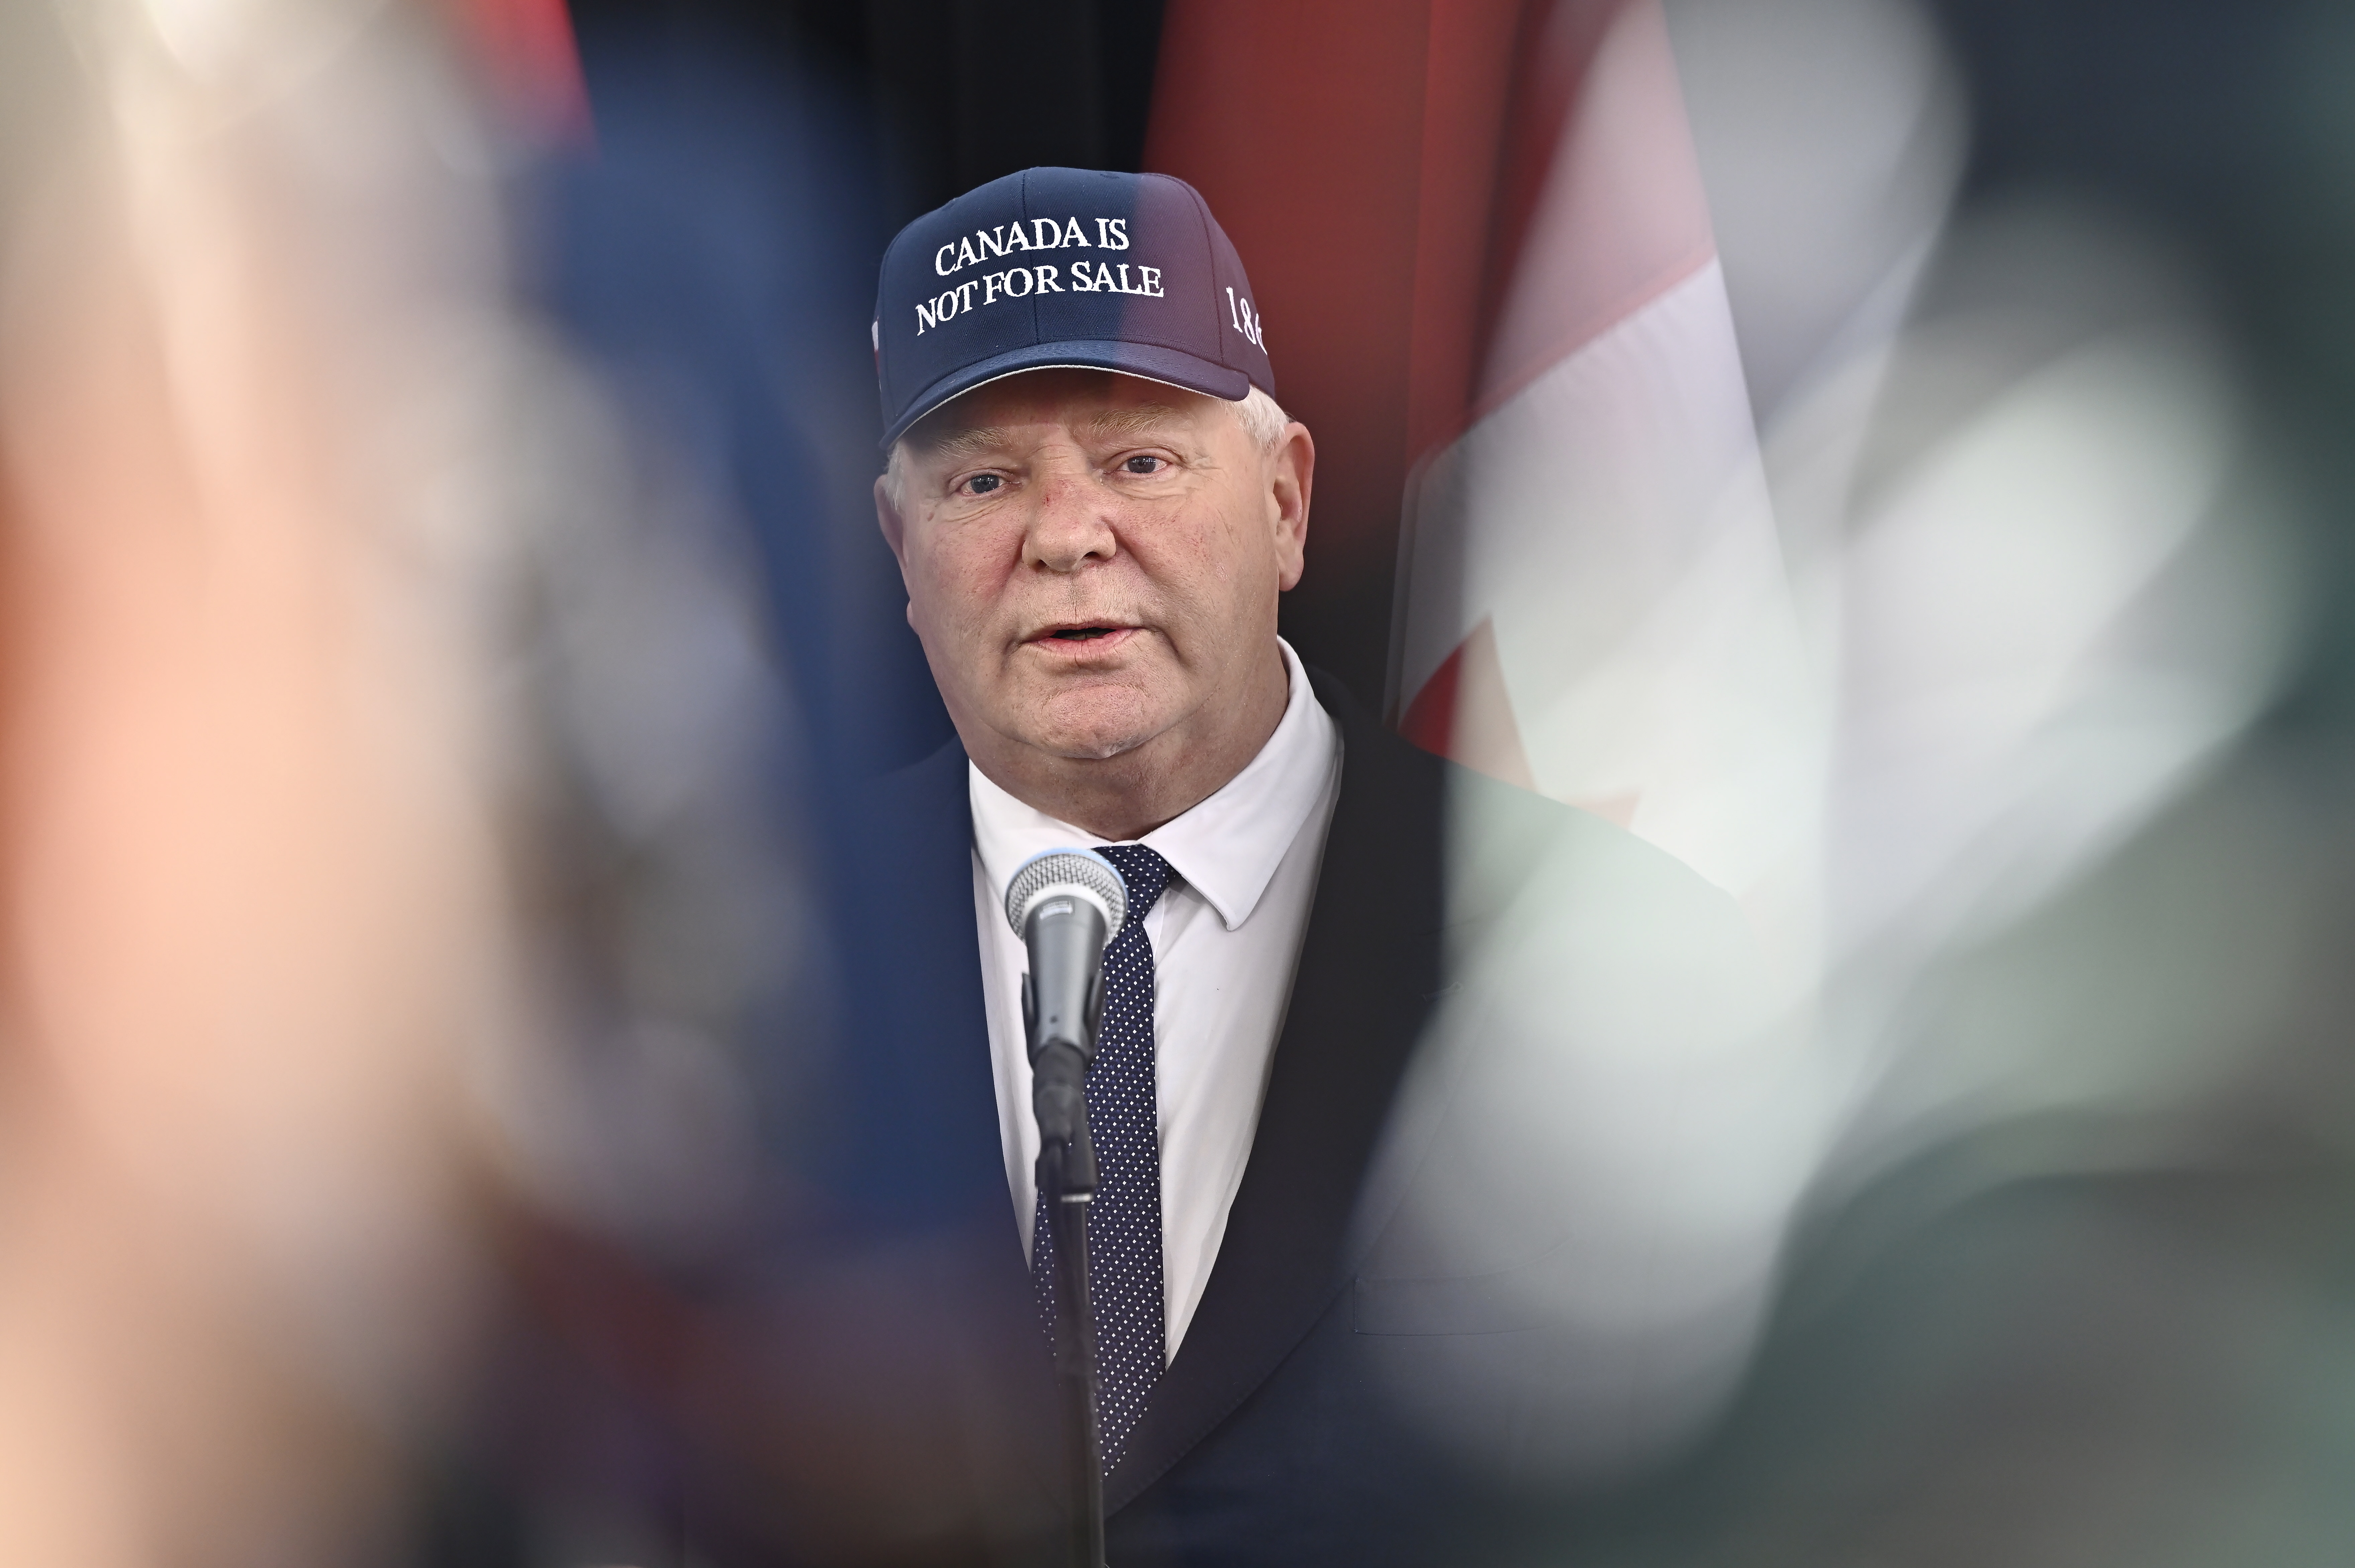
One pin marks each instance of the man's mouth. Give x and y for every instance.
(1091, 635)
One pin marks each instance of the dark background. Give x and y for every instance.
(953, 93)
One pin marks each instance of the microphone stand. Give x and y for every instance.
(1062, 1003)
(1067, 1175)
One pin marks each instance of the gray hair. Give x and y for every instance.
(1262, 417)
(1263, 420)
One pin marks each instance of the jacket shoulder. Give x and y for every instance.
(931, 786)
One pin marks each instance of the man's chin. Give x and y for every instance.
(1092, 744)
(1095, 732)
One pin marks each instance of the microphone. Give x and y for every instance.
(1065, 905)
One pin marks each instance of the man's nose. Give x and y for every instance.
(1069, 526)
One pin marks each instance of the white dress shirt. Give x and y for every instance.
(1226, 937)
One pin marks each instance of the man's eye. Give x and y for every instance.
(1144, 463)
(983, 484)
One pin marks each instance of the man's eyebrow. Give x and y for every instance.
(966, 444)
(1134, 420)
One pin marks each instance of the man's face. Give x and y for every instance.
(1093, 560)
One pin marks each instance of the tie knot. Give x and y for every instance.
(1145, 872)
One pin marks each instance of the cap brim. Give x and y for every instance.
(1151, 361)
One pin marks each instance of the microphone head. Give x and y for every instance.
(1067, 873)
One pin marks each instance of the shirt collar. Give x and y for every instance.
(1226, 847)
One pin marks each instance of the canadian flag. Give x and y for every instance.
(1591, 600)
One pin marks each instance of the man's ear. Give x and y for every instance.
(1293, 476)
(895, 530)
(895, 534)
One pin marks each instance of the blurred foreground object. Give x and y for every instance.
(263, 420)
(1984, 582)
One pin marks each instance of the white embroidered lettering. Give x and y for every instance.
(1123, 280)
(1011, 275)
(1152, 276)
(1015, 237)
(991, 283)
(1047, 284)
(1119, 234)
(1047, 233)
(1074, 234)
(940, 264)
(925, 316)
(965, 257)
(990, 244)
(1240, 313)
(1104, 279)
(964, 293)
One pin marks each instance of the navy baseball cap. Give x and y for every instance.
(1064, 268)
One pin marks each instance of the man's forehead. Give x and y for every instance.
(1098, 404)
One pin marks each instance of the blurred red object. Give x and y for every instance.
(526, 49)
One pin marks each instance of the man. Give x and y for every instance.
(1095, 503)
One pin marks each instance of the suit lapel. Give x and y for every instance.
(1368, 966)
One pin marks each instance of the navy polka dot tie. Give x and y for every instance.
(1124, 1219)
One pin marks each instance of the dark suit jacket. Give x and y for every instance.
(901, 1408)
